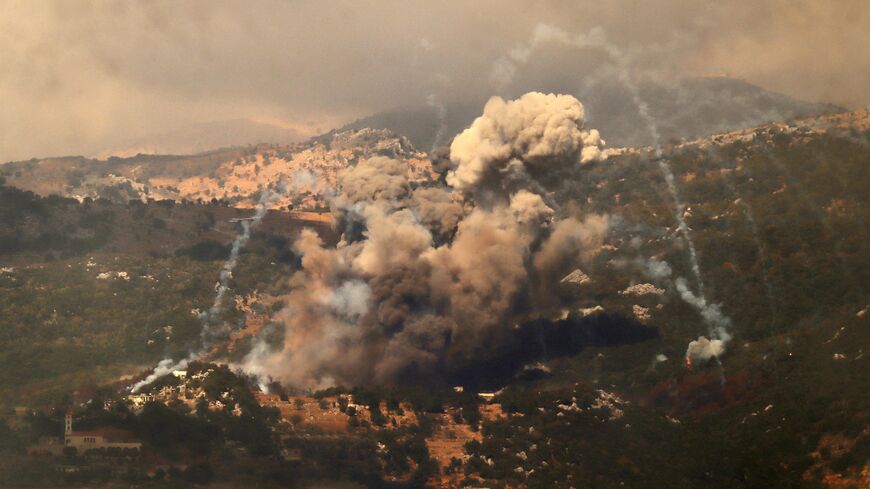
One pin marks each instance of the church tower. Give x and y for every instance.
(67, 423)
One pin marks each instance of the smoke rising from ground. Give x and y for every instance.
(718, 325)
(427, 280)
(503, 73)
(711, 346)
(213, 328)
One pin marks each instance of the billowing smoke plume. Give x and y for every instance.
(502, 74)
(427, 280)
(514, 142)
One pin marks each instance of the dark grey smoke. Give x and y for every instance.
(435, 279)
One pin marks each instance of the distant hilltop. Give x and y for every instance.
(688, 109)
(235, 175)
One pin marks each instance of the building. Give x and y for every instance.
(139, 400)
(102, 438)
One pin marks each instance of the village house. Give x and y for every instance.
(139, 400)
(487, 396)
(107, 438)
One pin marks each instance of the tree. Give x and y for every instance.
(200, 473)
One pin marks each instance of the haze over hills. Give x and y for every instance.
(687, 109)
(691, 108)
(208, 136)
(237, 175)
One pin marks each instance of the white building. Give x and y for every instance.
(140, 400)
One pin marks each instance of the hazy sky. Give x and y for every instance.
(82, 76)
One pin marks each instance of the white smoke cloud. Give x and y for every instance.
(164, 367)
(714, 343)
(719, 324)
(704, 349)
(657, 269)
(537, 134)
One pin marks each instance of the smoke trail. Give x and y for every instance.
(212, 328)
(756, 237)
(441, 113)
(504, 70)
(762, 253)
(682, 226)
(164, 367)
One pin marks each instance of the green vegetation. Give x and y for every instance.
(780, 227)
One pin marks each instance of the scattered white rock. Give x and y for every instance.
(641, 313)
(643, 289)
(839, 356)
(611, 402)
(573, 407)
(108, 275)
(576, 277)
(588, 311)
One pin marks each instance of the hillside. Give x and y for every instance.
(597, 390)
(237, 175)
